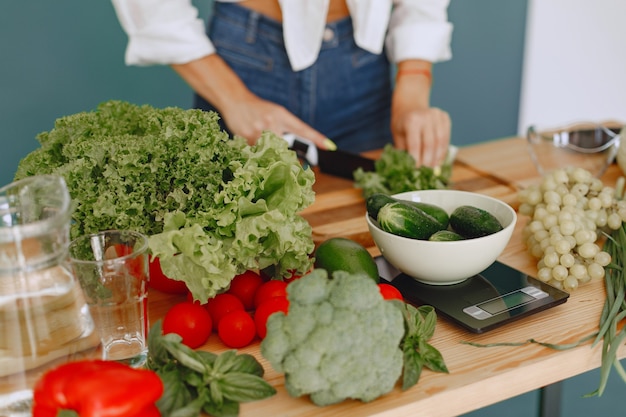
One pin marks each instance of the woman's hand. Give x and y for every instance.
(250, 117)
(244, 113)
(424, 133)
(422, 130)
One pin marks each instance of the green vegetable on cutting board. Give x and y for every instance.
(395, 172)
(213, 207)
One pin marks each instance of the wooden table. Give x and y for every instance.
(478, 376)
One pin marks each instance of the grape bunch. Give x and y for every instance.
(569, 210)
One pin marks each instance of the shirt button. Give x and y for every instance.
(328, 34)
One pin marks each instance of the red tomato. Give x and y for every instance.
(269, 289)
(135, 265)
(160, 282)
(244, 287)
(389, 292)
(236, 329)
(222, 304)
(190, 321)
(265, 310)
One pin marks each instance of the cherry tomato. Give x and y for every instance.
(389, 292)
(222, 304)
(159, 281)
(269, 289)
(190, 321)
(244, 287)
(236, 329)
(135, 264)
(265, 310)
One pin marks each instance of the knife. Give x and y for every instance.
(338, 162)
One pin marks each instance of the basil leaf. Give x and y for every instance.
(207, 357)
(243, 387)
(433, 359)
(412, 368)
(175, 395)
(225, 409)
(186, 356)
(428, 320)
(225, 362)
(248, 364)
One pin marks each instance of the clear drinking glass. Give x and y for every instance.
(112, 267)
(589, 145)
(44, 320)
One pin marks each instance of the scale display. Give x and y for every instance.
(498, 295)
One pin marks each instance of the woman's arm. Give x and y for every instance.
(244, 113)
(422, 130)
(419, 34)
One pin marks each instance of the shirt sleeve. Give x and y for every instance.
(419, 29)
(162, 32)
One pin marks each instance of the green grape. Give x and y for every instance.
(568, 211)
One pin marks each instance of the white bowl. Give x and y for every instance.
(450, 262)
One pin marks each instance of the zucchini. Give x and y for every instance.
(403, 219)
(376, 201)
(471, 222)
(445, 236)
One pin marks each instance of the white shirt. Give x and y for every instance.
(170, 31)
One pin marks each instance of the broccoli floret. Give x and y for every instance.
(339, 340)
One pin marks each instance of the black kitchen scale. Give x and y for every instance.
(498, 295)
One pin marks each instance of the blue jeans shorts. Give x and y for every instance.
(346, 94)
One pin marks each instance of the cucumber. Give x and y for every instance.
(376, 201)
(403, 219)
(445, 236)
(437, 212)
(471, 222)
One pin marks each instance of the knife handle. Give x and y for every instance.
(303, 147)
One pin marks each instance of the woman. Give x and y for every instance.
(317, 68)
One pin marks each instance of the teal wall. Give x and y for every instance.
(480, 85)
(63, 57)
(66, 56)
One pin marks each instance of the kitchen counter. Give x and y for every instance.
(479, 376)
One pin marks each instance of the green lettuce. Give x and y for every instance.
(212, 206)
(395, 172)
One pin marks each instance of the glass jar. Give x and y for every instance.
(44, 320)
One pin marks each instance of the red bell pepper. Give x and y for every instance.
(96, 388)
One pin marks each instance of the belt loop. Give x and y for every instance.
(253, 24)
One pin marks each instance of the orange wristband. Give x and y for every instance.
(415, 71)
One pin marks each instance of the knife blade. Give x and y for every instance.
(338, 162)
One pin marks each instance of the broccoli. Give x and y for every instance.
(339, 340)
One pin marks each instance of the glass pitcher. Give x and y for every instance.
(44, 320)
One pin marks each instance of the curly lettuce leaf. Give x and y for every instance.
(212, 206)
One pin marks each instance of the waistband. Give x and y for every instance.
(256, 23)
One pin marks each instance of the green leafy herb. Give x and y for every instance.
(212, 206)
(200, 381)
(420, 327)
(395, 172)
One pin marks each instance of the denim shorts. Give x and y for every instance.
(346, 94)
